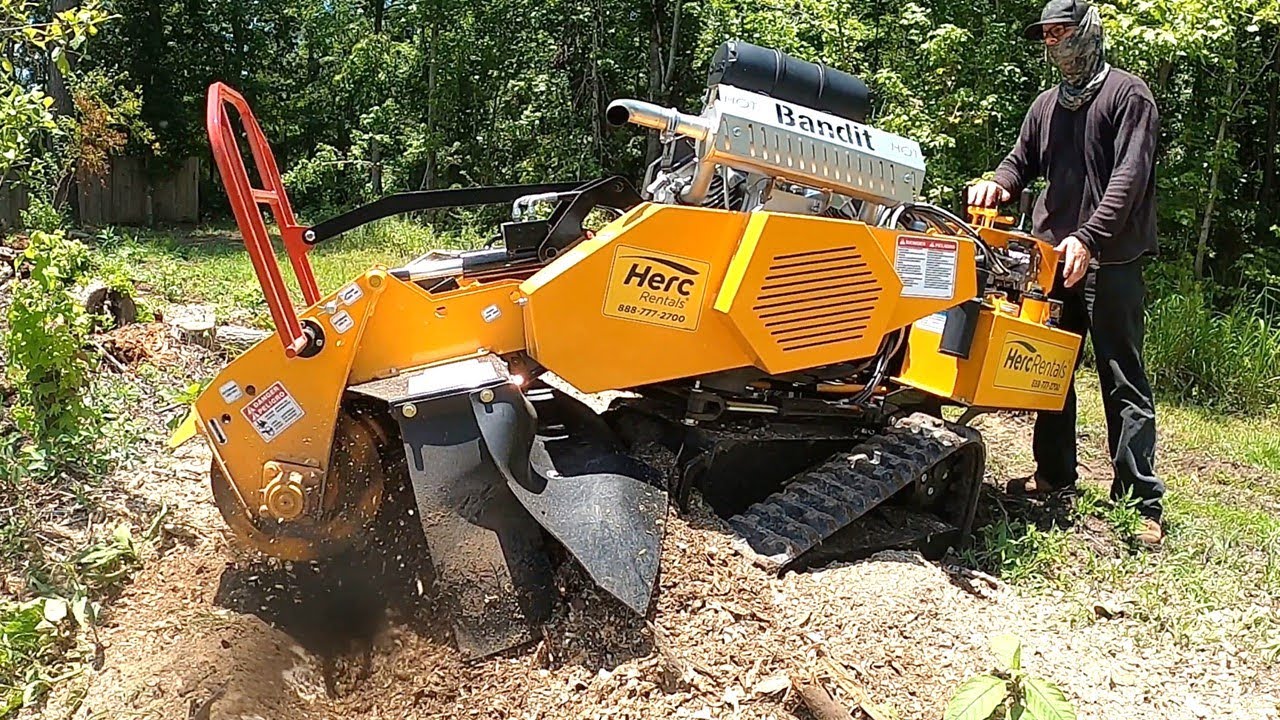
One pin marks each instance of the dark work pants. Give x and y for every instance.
(1108, 305)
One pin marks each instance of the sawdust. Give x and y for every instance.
(152, 344)
(199, 631)
(208, 631)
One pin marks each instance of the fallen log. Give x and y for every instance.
(820, 702)
(238, 339)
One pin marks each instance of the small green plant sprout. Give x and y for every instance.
(1009, 692)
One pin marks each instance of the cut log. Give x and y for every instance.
(820, 702)
(237, 339)
(193, 324)
(117, 306)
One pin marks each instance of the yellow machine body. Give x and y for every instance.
(1015, 363)
(662, 293)
(669, 292)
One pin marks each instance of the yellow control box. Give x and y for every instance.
(1013, 363)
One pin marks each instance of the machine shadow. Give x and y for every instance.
(336, 608)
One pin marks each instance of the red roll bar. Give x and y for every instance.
(245, 200)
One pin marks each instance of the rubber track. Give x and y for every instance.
(817, 503)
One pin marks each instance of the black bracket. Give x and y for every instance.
(429, 200)
(614, 193)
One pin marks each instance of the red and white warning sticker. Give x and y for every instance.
(272, 412)
(927, 266)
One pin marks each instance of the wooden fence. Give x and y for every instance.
(124, 197)
(13, 200)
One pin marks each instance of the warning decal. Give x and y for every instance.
(927, 267)
(272, 412)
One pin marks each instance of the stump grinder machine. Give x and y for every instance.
(778, 319)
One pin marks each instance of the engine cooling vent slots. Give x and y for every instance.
(815, 298)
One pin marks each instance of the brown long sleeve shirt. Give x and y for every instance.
(1099, 162)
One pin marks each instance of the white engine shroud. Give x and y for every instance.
(757, 132)
(778, 144)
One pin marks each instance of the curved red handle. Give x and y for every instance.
(245, 200)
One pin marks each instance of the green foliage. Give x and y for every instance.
(42, 216)
(27, 641)
(978, 698)
(1017, 693)
(322, 182)
(362, 97)
(37, 637)
(27, 122)
(47, 332)
(1017, 551)
(1229, 360)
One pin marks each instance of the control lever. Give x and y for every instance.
(1025, 203)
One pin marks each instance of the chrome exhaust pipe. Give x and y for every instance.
(655, 117)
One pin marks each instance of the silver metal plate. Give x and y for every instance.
(758, 133)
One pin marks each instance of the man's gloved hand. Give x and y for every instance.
(987, 194)
(1075, 259)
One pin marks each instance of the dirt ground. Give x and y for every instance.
(208, 632)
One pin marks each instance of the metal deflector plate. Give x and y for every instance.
(487, 551)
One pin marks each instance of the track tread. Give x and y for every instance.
(819, 502)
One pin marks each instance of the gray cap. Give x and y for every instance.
(1071, 12)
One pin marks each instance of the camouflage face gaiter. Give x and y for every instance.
(1081, 58)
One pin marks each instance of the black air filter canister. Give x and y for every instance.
(781, 76)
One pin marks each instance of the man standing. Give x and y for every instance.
(1092, 138)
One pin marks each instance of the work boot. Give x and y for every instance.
(1030, 485)
(1151, 534)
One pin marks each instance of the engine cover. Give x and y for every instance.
(775, 138)
(669, 292)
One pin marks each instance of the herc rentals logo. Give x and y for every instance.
(672, 287)
(656, 288)
(1040, 367)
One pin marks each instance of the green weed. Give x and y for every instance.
(1227, 360)
(1019, 552)
(38, 637)
(1123, 516)
(26, 644)
(1009, 692)
(47, 331)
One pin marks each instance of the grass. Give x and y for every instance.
(1229, 360)
(211, 266)
(1215, 582)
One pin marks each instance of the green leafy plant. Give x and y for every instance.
(43, 216)
(1009, 692)
(1124, 517)
(1018, 551)
(48, 329)
(105, 564)
(33, 637)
